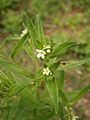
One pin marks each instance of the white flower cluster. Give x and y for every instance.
(74, 117)
(46, 71)
(24, 32)
(41, 53)
(47, 48)
(70, 114)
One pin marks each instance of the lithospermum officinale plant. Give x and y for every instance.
(40, 94)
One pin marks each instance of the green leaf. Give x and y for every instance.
(63, 97)
(62, 48)
(53, 93)
(31, 27)
(80, 94)
(19, 108)
(19, 45)
(39, 30)
(16, 88)
(13, 67)
(3, 43)
(59, 76)
(54, 65)
(34, 33)
(8, 40)
(61, 111)
(72, 64)
(30, 51)
(28, 21)
(6, 78)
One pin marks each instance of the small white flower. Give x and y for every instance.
(74, 117)
(43, 46)
(46, 71)
(47, 48)
(24, 32)
(40, 53)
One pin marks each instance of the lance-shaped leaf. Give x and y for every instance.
(19, 45)
(54, 65)
(31, 27)
(59, 76)
(30, 49)
(7, 40)
(72, 64)
(62, 48)
(35, 31)
(16, 88)
(6, 79)
(12, 67)
(63, 97)
(39, 30)
(3, 43)
(80, 94)
(61, 111)
(53, 93)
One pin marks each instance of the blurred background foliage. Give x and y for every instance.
(63, 20)
(58, 12)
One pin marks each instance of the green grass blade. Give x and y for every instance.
(53, 93)
(73, 64)
(63, 97)
(19, 45)
(80, 94)
(36, 31)
(16, 88)
(39, 30)
(13, 67)
(30, 51)
(59, 76)
(31, 28)
(62, 48)
(3, 43)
